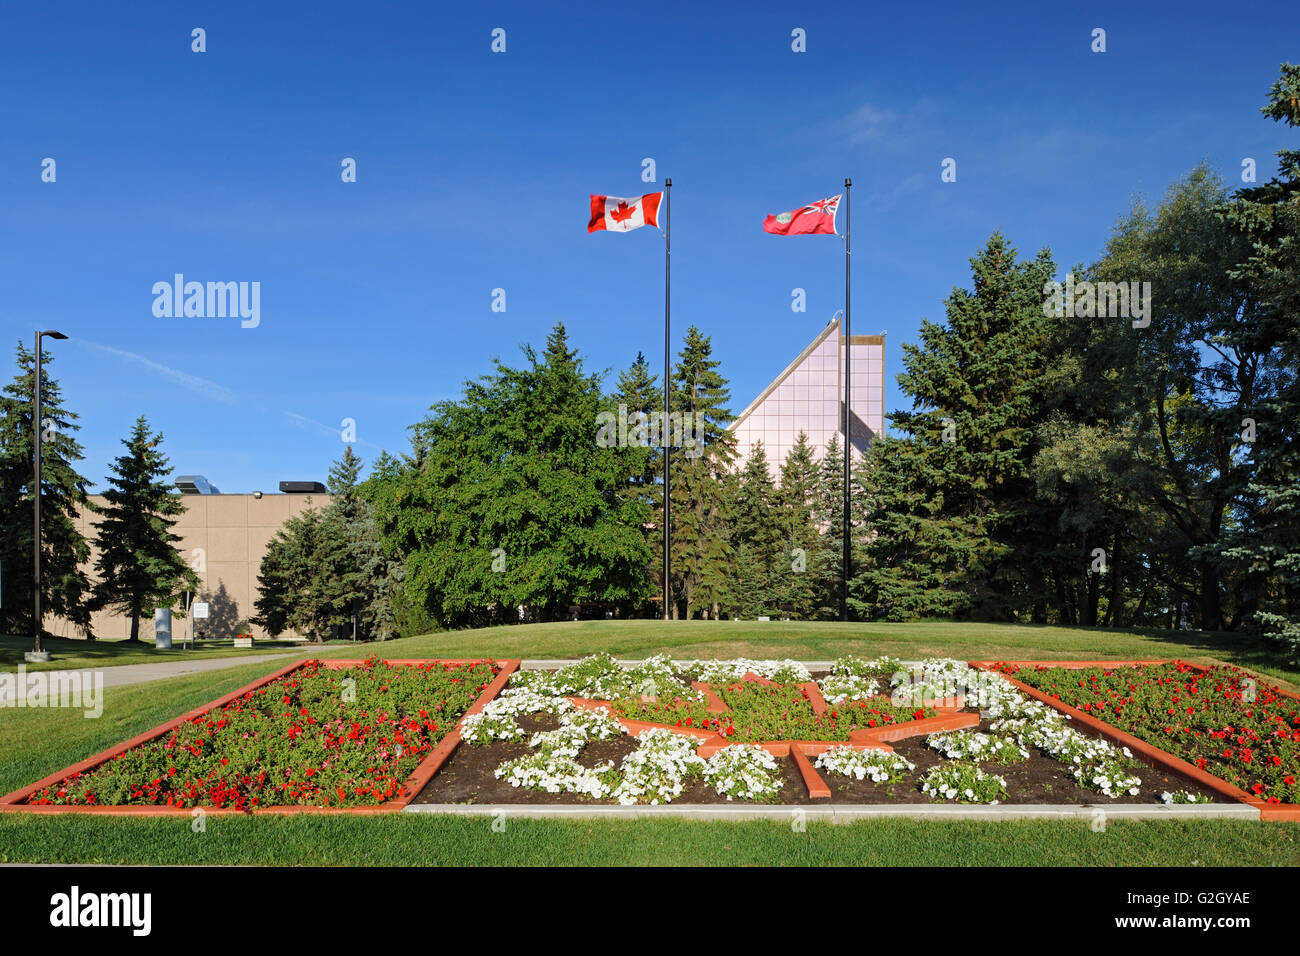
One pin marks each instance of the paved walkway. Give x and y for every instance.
(124, 674)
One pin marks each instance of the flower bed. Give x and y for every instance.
(340, 735)
(754, 737)
(1219, 719)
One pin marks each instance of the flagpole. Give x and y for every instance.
(848, 369)
(668, 481)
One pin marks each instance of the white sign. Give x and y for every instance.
(200, 609)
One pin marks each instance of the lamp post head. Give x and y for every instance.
(52, 334)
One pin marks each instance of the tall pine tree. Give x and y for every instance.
(796, 576)
(641, 399)
(952, 513)
(1267, 542)
(756, 539)
(138, 568)
(702, 555)
(64, 551)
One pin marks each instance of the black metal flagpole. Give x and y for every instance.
(664, 433)
(848, 368)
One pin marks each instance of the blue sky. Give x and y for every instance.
(473, 171)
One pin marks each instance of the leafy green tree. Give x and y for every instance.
(64, 552)
(1174, 393)
(513, 501)
(382, 490)
(138, 567)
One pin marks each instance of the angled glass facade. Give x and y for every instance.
(807, 397)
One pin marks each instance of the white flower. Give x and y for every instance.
(745, 771)
(879, 766)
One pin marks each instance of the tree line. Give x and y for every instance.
(1122, 461)
(136, 568)
(321, 569)
(1092, 460)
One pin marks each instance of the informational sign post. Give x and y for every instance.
(198, 611)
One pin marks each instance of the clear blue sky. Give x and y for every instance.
(474, 170)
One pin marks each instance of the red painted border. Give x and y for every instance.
(14, 802)
(817, 788)
(1154, 756)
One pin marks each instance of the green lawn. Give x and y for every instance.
(36, 742)
(820, 640)
(110, 652)
(425, 840)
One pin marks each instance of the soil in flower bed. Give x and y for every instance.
(1040, 779)
(1223, 721)
(468, 777)
(316, 736)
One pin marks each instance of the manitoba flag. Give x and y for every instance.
(620, 215)
(816, 218)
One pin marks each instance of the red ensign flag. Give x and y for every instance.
(816, 218)
(620, 215)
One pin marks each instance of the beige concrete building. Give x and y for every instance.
(223, 537)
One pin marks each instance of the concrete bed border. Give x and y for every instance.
(843, 813)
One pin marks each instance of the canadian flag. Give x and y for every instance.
(619, 215)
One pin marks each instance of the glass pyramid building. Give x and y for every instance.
(807, 397)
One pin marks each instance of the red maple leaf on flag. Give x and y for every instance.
(624, 211)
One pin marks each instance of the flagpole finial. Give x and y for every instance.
(668, 181)
(847, 182)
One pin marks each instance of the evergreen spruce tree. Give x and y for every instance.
(291, 596)
(702, 555)
(349, 528)
(952, 512)
(641, 398)
(796, 578)
(828, 499)
(756, 539)
(138, 566)
(64, 552)
(1267, 540)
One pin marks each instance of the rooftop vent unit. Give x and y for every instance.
(196, 485)
(302, 488)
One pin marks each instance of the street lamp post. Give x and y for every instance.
(37, 655)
